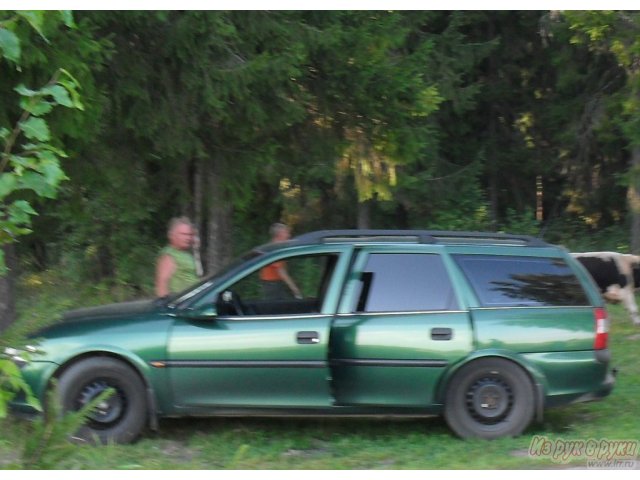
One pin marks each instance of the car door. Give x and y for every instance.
(400, 325)
(262, 352)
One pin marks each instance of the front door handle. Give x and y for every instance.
(441, 334)
(308, 337)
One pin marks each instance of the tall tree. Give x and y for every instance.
(329, 119)
(440, 187)
(29, 161)
(371, 91)
(199, 101)
(617, 33)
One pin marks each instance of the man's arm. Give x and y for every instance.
(284, 275)
(165, 269)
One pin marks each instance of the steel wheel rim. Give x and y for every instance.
(107, 412)
(490, 399)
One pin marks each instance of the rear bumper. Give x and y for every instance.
(604, 390)
(598, 393)
(603, 356)
(573, 376)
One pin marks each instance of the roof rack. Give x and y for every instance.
(420, 236)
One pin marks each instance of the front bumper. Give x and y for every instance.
(36, 374)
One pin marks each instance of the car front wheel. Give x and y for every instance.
(120, 417)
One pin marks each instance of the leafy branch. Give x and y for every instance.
(12, 383)
(35, 164)
(48, 443)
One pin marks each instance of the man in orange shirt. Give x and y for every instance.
(276, 282)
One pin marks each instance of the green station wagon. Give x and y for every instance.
(485, 329)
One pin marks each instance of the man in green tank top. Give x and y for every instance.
(176, 267)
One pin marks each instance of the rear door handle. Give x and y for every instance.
(308, 337)
(441, 334)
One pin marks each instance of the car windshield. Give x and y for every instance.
(175, 299)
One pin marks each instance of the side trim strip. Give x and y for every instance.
(293, 316)
(532, 307)
(338, 362)
(238, 364)
(388, 314)
(380, 362)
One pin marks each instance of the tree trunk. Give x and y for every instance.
(492, 168)
(539, 199)
(364, 214)
(402, 216)
(198, 184)
(633, 197)
(493, 194)
(7, 289)
(220, 220)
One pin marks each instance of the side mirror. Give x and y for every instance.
(206, 312)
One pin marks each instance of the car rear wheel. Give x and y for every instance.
(489, 398)
(119, 418)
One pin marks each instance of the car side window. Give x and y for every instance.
(404, 282)
(294, 285)
(507, 281)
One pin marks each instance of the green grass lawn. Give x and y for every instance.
(331, 443)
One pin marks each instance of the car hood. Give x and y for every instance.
(114, 310)
(129, 326)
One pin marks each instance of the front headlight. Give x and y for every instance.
(10, 352)
(17, 356)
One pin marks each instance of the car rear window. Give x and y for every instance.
(508, 281)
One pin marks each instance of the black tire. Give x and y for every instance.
(122, 417)
(489, 398)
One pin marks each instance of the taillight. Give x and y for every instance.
(602, 328)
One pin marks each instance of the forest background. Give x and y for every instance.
(516, 121)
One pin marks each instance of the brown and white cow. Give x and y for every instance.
(617, 275)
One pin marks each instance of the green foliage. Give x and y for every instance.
(10, 45)
(35, 165)
(616, 33)
(49, 440)
(434, 119)
(372, 91)
(29, 160)
(523, 223)
(578, 236)
(49, 443)
(12, 384)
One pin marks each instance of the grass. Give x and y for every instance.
(259, 443)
